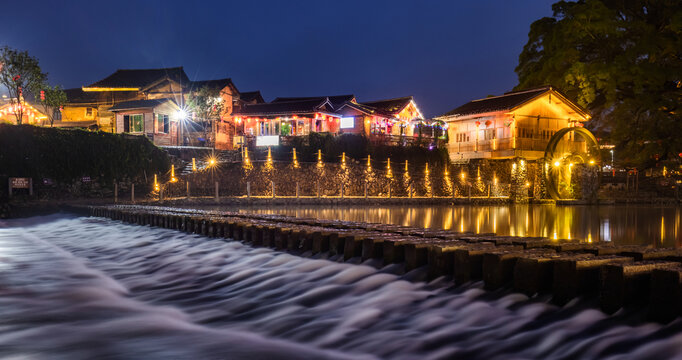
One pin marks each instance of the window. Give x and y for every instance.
(526, 133)
(133, 123)
(462, 137)
(162, 123)
(88, 112)
(489, 134)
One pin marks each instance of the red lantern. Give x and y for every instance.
(478, 123)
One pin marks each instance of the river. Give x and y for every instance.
(654, 225)
(83, 287)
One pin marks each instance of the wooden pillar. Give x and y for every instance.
(115, 192)
(217, 191)
(248, 189)
(132, 193)
(272, 184)
(188, 193)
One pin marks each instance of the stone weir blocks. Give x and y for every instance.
(619, 276)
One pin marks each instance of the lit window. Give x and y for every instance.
(133, 123)
(88, 112)
(162, 123)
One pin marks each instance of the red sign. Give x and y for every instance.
(20, 183)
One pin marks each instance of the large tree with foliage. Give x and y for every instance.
(621, 59)
(55, 98)
(21, 75)
(207, 105)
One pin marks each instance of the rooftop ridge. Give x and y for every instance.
(525, 91)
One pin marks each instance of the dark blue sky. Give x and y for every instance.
(443, 52)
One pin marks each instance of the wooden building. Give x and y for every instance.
(92, 105)
(266, 123)
(157, 119)
(516, 124)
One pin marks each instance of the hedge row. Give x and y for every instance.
(65, 155)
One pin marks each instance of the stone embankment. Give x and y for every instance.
(620, 276)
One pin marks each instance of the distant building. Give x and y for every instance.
(153, 118)
(265, 123)
(92, 105)
(516, 124)
(32, 113)
(392, 117)
(389, 120)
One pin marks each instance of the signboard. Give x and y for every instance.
(347, 122)
(270, 140)
(20, 183)
(85, 179)
(48, 182)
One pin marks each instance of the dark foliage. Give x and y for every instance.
(67, 155)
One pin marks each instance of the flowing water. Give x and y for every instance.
(82, 287)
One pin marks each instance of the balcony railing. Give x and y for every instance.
(509, 144)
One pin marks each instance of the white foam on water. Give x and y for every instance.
(89, 287)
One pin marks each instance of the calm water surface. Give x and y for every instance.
(658, 226)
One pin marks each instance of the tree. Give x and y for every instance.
(622, 60)
(207, 104)
(21, 75)
(55, 98)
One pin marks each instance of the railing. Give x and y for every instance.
(509, 144)
(401, 140)
(394, 140)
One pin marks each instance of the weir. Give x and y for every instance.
(618, 275)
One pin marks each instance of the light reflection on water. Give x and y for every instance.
(638, 224)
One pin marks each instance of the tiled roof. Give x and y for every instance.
(140, 78)
(139, 104)
(78, 96)
(251, 97)
(336, 100)
(389, 107)
(368, 110)
(507, 101)
(286, 107)
(218, 83)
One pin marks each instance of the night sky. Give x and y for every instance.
(444, 53)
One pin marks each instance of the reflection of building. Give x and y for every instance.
(102, 103)
(390, 120)
(518, 123)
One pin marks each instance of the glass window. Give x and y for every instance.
(162, 123)
(136, 122)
